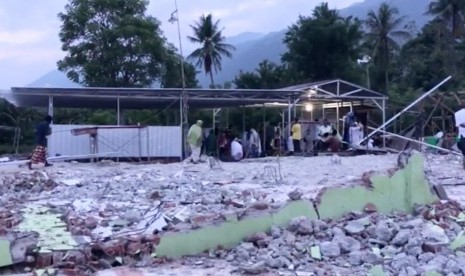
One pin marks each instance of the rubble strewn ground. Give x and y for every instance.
(127, 206)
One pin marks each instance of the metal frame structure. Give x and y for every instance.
(94, 138)
(335, 91)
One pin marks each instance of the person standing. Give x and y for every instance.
(296, 135)
(195, 139)
(39, 155)
(255, 144)
(460, 124)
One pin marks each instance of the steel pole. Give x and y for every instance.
(183, 100)
(405, 109)
(418, 142)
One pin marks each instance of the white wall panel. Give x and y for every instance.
(164, 141)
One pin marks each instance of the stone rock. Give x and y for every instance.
(402, 237)
(434, 234)
(436, 264)
(453, 266)
(337, 232)
(255, 269)
(347, 244)
(390, 251)
(411, 223)
(299, 246)
(408, 271)
(319, 225)
(355, 258)
(275, 232)
(295, 195)
(371, 258)
(275, 262)
(425, 257)
(330, 249)
(294, 224)
(354, 227)
(383, 232)
(90, 223)
(244, 250)
(289, 238)
(305, 227)
(402, 260)
(132, 215)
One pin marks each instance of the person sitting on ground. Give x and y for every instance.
(334, 141)
(236, 150)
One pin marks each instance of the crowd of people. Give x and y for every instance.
(226, 145)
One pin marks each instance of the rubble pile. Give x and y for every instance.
(430, 240)
(82, 218)
(26, 182)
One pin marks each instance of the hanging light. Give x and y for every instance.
(308, 107)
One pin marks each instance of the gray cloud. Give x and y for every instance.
(29, 44)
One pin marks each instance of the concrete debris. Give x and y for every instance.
(82, 218)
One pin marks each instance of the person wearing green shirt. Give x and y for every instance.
(194, 139)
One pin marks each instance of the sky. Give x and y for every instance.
(30, 47)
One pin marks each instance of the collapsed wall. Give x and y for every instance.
(399, 192)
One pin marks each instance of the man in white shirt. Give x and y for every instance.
(236, 150)
(325, 131)
(460, 124)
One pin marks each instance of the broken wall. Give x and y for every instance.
(401, 191)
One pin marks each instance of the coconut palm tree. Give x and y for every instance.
(452, 12)
(384, 34)
(207, 34)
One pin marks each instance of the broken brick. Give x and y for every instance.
(155, 196)
(200, 219)
(235, 203)
(90, 223)
(260, 206)
(370, 208)
(432, 248)
(133, 248)
(256, 237)
(153, 239)
(44, 260)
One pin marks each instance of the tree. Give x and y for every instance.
(111, 43)
(208, 34)
(452, 12)
(323, 46)
(423, 61)
(172, 77)
(384, 35)
(268, 75)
